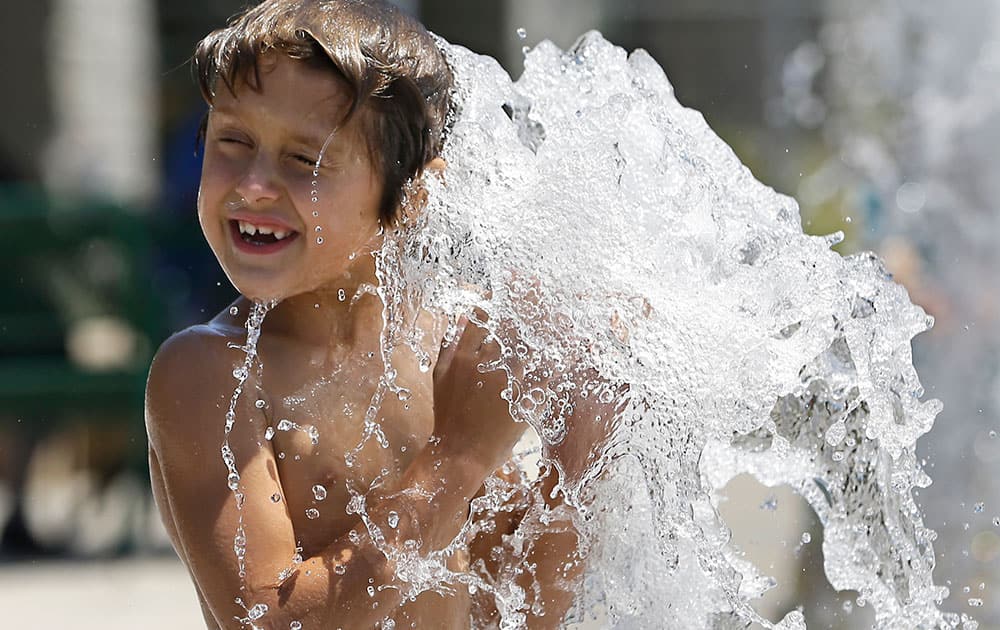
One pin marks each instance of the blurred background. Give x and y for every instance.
(881, 117)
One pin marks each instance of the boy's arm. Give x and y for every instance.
(553, 551)
(163, 505)
(558, 565)
(556, 554)
(186, 405)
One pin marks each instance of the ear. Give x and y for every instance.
(437, 166)
(416, 195)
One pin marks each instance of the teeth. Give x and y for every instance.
(251, 229)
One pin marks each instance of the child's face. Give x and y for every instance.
(261, 148)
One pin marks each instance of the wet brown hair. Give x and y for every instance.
(401, 83)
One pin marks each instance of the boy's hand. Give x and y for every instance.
(590, 427)
(470, 417)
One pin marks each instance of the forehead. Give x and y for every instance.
(291, 95)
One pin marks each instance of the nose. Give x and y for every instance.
(259, 183)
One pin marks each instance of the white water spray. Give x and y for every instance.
(607, 225)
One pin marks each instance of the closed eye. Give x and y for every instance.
(239, 141)
(308, 161)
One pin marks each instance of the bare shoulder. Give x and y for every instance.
(189, 379)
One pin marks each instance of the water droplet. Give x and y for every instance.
(312, 514)
(340, 569)
(269, 433)
(240, 374)
(275, 498)
(285, 425)
(295, 625)
(975, 602)
(281, 455)
(319, 492)
(319, 241)
(371, 591)
(258, 611)
(341, 295)
(838, 456)
(393, 520)
(315, 213)
(234, 311)
(522, 33)
(806, 538)
(979, 507)
(314, 435)
(770, 504)
(234, 481)
(996, 521)
(319, 228)
(260, 404)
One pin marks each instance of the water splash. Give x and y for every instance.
(746, 346)
(627, 261)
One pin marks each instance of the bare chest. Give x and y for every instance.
(339, 430)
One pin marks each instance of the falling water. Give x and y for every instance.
(913, 124)
(314, 193)
(255, 320)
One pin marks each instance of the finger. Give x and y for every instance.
(446, 354)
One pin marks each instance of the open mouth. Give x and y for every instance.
(259, 238)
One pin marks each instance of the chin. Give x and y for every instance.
(259, 290)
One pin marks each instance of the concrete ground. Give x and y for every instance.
(148, 593)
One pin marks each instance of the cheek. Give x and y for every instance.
(211, 192)
(224, 168)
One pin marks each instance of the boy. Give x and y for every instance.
(291, 211)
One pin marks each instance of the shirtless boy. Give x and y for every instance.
(367, 88)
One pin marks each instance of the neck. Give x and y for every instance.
(344, 313)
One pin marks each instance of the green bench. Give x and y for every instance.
(79, 320)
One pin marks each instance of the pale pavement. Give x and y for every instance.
(146, 593)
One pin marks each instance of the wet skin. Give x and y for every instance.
(322, 365)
